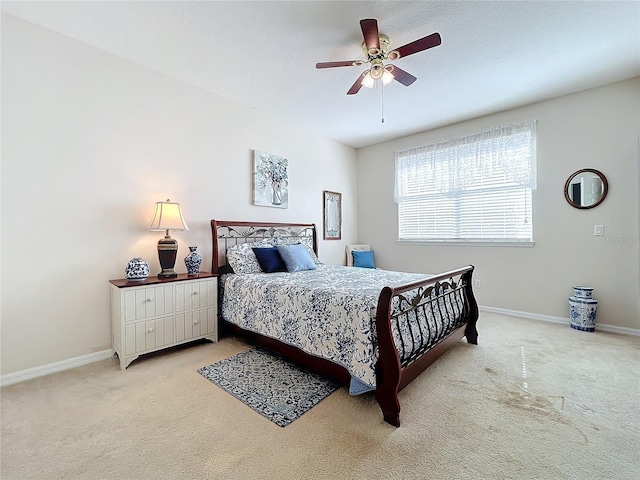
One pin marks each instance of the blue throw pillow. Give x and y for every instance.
(363, 259)
(296, 257)
(270, 260)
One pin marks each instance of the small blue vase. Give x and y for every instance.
(193, 261)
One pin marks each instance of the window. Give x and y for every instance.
(475, 188)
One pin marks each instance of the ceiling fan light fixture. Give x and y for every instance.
(368, 81)
(376, 71)
(387, 76)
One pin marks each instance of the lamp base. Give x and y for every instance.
(167, 252)
(168, 274)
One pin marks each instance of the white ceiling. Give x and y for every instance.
(494, 55)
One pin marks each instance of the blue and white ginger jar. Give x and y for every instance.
(583, 309)
(137, 269)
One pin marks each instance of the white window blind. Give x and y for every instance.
(475, 188)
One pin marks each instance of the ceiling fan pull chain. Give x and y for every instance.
(382, 101)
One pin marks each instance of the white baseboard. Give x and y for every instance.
(549, 318)
(28, 374)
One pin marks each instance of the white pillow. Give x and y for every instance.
(242, 259)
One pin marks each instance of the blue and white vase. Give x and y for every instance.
(583, 309)
(193, 261)
(137, 269)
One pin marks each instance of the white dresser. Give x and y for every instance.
(154, 314)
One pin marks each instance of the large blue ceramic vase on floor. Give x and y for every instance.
(583, 309)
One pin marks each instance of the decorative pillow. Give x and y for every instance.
(242, 259)
(296, 257)
(363, 259)
(270, 260)
(295, 241)
(312, 254)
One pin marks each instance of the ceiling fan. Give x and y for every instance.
(376, 51)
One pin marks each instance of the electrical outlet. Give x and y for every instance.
(598, 229)
(478, 283)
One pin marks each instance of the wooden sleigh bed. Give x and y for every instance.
(415, 322)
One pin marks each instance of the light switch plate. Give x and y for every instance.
(598, 230)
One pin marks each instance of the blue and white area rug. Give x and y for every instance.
(272, 386)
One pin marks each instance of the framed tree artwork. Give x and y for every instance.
(270, 180)
(332, 215)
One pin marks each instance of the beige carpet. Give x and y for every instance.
(532, 401)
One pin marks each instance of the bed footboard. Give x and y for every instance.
(416, 324)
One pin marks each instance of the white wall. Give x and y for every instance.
(596, 128)
(89, 143)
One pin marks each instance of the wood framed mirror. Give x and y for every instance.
(586, 188)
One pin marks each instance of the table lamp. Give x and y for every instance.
(167, 216)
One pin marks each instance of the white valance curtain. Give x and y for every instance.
(472, 161)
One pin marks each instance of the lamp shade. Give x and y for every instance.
(368, 81)
(168, 216)
(387, 76)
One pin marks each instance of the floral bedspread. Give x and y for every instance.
(328, 312)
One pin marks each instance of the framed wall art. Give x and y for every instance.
(332, 215)
(270, 180)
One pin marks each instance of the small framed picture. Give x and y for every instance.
(332, 215)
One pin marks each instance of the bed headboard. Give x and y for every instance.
(227, 233)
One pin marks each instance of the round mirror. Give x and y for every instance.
(586, 188)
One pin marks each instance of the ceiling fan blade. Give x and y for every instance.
(355, 88)
(370, 32)
(419, 45)
(346, 63)
(403, 77)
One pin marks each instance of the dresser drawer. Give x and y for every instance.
(148, 335)
(141, 302)
(194, 295)
(196, 323)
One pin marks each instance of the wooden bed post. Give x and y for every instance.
(388, 368)
(470, 331)
(215, 258)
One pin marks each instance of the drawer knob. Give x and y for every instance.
(150, 330)
(195, 292)
(149, 299)
(195, 322)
